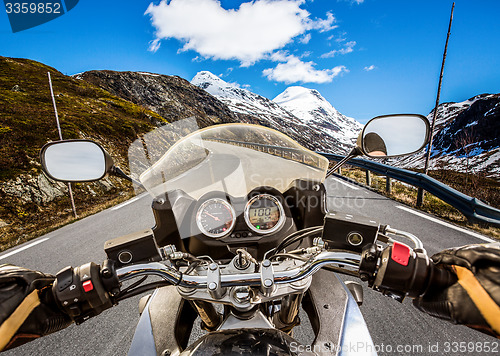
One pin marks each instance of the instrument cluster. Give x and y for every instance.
(262, 214)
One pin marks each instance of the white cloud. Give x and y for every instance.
(294, 70)
(357, 2)
(154, 45)
(348, 48)
(324, 25)
(248, 34)
(369, 68)
(305, 39)
(279, 56)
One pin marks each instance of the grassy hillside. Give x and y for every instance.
(27, 122)
(27, 117)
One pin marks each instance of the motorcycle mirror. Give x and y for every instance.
(75, 161)
(394, 135)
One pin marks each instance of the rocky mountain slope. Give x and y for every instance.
(299, 112)
(171, 97)
(467, 137)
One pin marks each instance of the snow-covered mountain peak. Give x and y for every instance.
(306, 103)
(298, 93)
(242, 101)
(215, 85)
(312, 108)
(220, 88)
(297, 111)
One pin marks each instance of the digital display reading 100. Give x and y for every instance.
(264, 214)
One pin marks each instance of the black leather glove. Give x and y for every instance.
(474, 300)
(27, 306)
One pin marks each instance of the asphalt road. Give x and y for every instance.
(395, 328)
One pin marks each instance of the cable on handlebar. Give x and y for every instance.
(192, 267)
(295, 237)
(133, 285)
(288, 255)
(141, 289)
(341, 271)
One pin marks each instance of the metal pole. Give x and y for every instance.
(420, 195)
(60, 138)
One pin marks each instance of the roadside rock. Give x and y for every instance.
(33, 189)
(17, 88)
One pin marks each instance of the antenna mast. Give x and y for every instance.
(420, 194)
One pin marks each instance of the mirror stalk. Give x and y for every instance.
(117, 172)
(356, 151)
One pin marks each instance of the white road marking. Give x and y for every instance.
(346, 184)
(23, 248)
(130, 201)
(451, 226)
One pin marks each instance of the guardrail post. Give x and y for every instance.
(420, 197)
(368, 178)
(339, 171)
(388, 184)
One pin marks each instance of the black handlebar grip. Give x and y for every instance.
(440, 278)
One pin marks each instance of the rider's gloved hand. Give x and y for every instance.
(474, 300)
(27, 306)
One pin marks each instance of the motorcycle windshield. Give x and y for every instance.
(230, 158)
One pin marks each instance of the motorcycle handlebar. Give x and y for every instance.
(242, 279)
(396, 271)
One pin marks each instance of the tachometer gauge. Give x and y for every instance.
(264, 214)
(215, 218)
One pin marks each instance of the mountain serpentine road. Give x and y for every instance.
(395, 328)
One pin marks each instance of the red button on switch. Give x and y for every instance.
(87, 286)
(400, 253)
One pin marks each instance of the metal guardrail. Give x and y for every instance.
(294, 154)
(474, 210)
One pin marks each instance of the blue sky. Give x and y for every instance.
(367, 57)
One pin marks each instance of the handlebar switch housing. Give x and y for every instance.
(109, 277)
(80, 292)
(398, 271)
(369, 263)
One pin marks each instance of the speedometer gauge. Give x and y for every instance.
(215, 218)
(264, 214)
